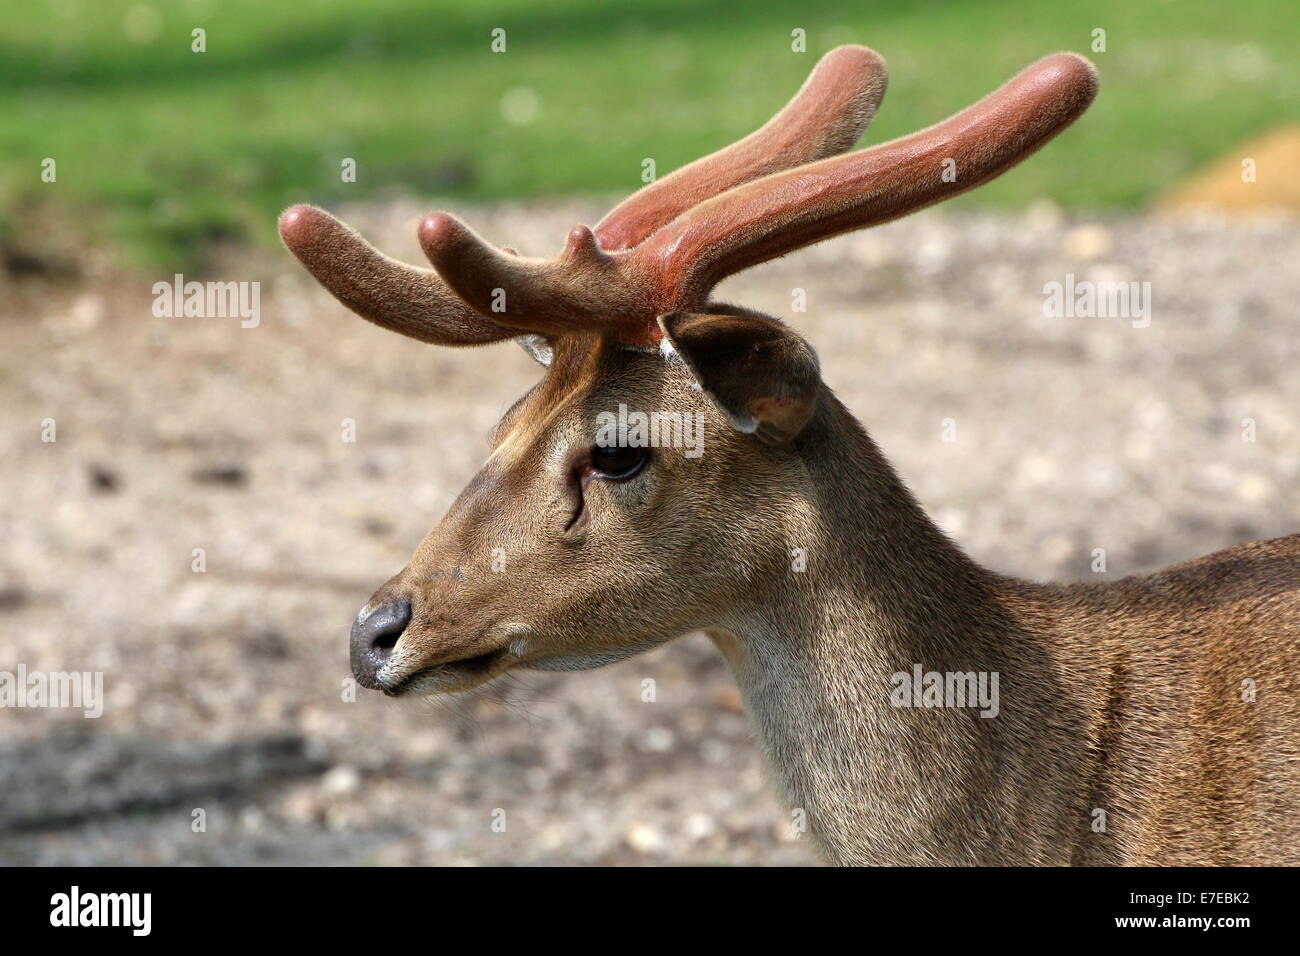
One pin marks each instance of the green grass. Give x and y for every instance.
(160, 150)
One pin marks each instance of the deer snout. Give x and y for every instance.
(374, 635)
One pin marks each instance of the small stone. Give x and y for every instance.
(658, 740)
(700, 825)
(341, 780)
(223, 474)
(103, 479)
(728, 698)
(645, 838)
(1254, 488)
(1088, 242)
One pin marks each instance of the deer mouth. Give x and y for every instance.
(461, 674)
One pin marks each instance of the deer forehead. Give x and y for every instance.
(562, 413)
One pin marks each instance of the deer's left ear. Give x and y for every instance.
(760, 373)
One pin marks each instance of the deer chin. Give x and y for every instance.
(588, 660)
(451, 676)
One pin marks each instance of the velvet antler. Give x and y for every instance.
(677, 266)
(408, 300)
(825, 117)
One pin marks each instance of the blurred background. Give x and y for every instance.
(128, 155)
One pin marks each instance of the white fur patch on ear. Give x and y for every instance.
(643, 349)
(742, 423)
(666, 349)
(537, 347)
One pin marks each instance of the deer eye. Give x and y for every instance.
(618, 462)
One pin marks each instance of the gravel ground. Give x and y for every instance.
(224, 688)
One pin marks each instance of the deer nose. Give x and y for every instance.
(373, 637)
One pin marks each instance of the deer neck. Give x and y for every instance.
(878, 774)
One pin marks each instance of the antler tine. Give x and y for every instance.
(584, 290)
(414, 302)
(824, 118)
(777, 214)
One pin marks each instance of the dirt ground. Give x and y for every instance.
(224, 689)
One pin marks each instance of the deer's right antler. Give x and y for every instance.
(825, 117)
(666, 247)
(676, 267)
(785, 211)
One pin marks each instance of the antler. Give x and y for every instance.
(787, 211)
(408, 300)
(825, 117)
(676, 267)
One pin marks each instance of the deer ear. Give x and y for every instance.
(760, 373)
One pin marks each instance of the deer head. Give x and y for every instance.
(569, 550)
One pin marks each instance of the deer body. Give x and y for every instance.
(1122, 730)
(1123, 698)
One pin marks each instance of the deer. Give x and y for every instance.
(1123, 731)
